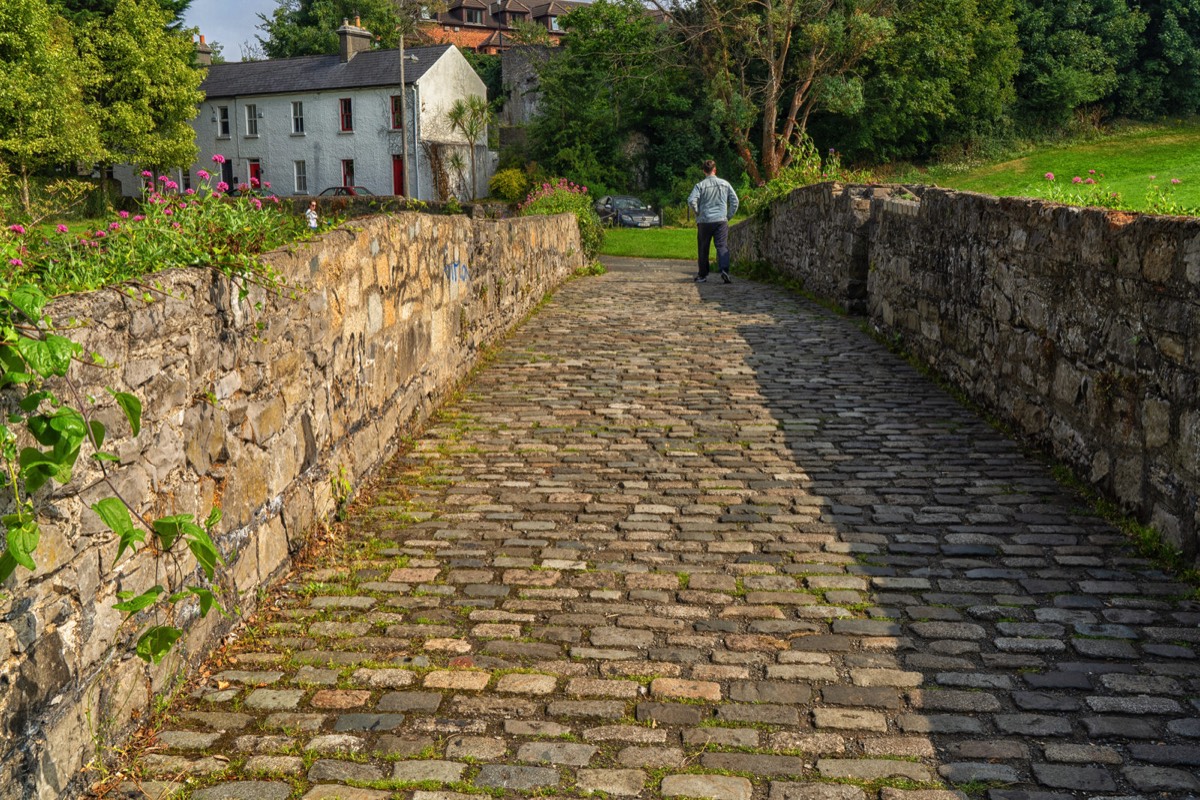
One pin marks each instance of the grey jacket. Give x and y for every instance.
(713, 200)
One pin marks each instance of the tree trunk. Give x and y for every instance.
(26, 204)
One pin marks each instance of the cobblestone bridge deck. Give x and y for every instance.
(703, 542)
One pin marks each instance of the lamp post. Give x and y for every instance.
(404, 119)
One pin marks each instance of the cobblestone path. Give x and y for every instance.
(704, 542)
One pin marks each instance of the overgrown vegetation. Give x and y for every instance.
(562, 196)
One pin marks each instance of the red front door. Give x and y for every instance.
(398, 175)
(255, 173)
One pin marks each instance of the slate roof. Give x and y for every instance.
(318, 73)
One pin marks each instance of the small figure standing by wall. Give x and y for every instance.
(715, 202)
(311, 215)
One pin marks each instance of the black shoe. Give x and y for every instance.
(701, 279)
(725, 278)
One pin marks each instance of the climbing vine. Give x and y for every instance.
(48, 423)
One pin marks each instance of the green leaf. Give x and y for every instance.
(102, 456)
(49, 356)
(156, 642)
(208, 600)
(214, 516)
(29, 300)
(40, 466)
(12, 366)
(135, 604)
(204, 550)
(22, 533)
(115, 515)
(132, 408)
(8, 565)
(97, 429)
(168, 528)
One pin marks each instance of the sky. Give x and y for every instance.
(230, 22)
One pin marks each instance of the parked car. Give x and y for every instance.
(627, 212)
(346, 191)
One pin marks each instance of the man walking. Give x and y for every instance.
(715, 202)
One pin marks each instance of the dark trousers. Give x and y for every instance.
(717, 232)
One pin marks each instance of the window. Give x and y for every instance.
(251, 119)
(223, 122)
(515, 17)
(473, 16)
(346, 113)
(298, 118)
(552, 22)
(426, 13)
(348, 172)
(227, 172)
(397, 122)
(301, 172)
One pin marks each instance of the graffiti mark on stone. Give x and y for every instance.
(457, 273)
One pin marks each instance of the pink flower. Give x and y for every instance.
(254, 181)
(163, 179)
(175, 225)
(1049, 176)
(168, 212)
(1091, 172)
(172, 185)
(17, 229)
(114, 226)
(1090, 181)
(139, 218)
(123, 214)
(62, 228)
(243, 187)
(1077, 179)
(257, 203)
(266, 184)
(147, 173)
(190, 192)
(182, 206)
(16, 262)
(1176, 181)
(202, 174)
(222, 186)
(219, 159)
(100, 234)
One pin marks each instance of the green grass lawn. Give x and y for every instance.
(1126, 159)
(650, 243)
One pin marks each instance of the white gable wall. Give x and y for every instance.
(323, 146)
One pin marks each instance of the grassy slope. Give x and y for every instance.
(1126, 159)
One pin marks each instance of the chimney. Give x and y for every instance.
(204, 53)
(353, 38)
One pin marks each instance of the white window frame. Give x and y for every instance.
(251, 120)
(300, 176)
(297, 117)
(222, 122)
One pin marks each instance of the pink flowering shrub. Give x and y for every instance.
(1086, 192)
(560, 197)
(200, 228)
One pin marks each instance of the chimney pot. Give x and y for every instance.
(202, 38)
(353, 39)
(357, 21)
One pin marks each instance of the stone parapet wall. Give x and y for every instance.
(254, 411)
(1079, 327)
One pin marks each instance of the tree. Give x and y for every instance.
(83, 12)
(470, 117)
(149, 90)
(1074, 52)
(1164, 77)
(619, 106)
(309, 27)
(945, 75)
(526, 33)
(44, 120)
(769, 64)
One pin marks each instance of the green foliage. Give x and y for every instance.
(82, 12)
(309, 27)
(44, 120)
(946, 75)
(1080, 191)
(803, 167)
(470, 117)
(510, 185)
(148, 89)
(1164, 75)
(620, 108)
(1073, 53)
(487, 67)
(562, 196)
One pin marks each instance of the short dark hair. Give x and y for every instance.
(709, 167)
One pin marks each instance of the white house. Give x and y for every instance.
(309, 123)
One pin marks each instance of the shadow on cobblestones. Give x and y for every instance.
(703, 541)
